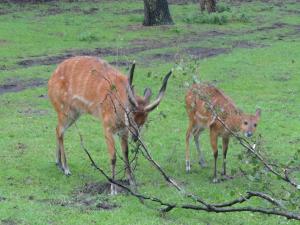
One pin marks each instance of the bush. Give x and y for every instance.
(221, 7)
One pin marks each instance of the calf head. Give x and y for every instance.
(249, 123)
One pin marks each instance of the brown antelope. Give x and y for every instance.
(90, 85)
(206, 106)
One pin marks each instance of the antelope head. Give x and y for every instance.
(249, 123)
(140, 106)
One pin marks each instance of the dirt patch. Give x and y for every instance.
(182, 2)
(201, 53)
(273, 26)
(100, 188)
(20, 147)
(85, 202)
(148, 44)
(132, 11)
(100, 52)
(10, 222)
(282, 78)
(167, 57)
(33, 112)
(91, 196)
(31, 1)
(55, 10)
(120, 63)
(246, 44)
(16, 85)
(3, 42)
(141, 45)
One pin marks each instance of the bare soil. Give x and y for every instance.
(55, 10)
(16, 85)
(9, 222)
(141, 45)
(132, 11)
(246, 44)
(100, 52)
(201, 53)
(100, 188)
(91, 196)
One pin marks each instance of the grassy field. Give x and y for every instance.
(250, 49)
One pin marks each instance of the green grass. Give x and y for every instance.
(268, 78)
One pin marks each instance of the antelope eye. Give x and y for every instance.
(255, 125)
(245, 123)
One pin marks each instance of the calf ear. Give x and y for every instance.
(258, 113)
(147, 94)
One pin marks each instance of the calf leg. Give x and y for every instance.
(225, 143)
(187, 149)
(198, 147)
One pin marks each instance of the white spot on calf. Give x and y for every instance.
(126, 119)
(198, 115)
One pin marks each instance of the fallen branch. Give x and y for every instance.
(217, 208)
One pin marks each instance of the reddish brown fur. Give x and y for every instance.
(199, 100)
(89, 85)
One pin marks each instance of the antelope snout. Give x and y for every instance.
(249, 134)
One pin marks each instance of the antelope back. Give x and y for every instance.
(203, 99)
(90, 85)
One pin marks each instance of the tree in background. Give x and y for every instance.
(156, 13)
(209, 5)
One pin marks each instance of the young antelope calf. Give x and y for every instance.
(203, 103)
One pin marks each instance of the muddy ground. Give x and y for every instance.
(91, 196)
(16, 85)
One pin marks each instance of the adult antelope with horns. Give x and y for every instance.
(90, 85)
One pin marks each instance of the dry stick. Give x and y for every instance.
(247, 197)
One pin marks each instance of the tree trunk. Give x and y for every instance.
(156, 13)
(202, 5)
(209, 5)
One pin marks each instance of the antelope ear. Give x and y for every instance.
(258, 113)
(147, 94)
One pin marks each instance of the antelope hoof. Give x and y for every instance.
(113, 189)
(67, 172)
(202, 163)
(187, 166)
(215, 180)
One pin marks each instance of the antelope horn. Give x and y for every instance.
(131, 73)
(130, 92)
(161, 94)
